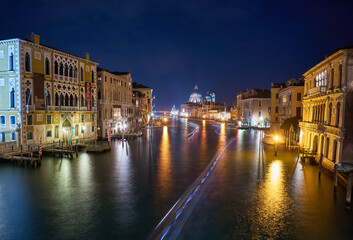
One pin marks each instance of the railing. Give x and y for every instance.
(94, 109)
(83, 108)
(318, 89)
(63, 108)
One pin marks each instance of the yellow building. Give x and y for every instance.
(57, 99)
(327, 125)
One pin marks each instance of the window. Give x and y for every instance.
(111, 80)
(92, 76)
(338, 111)
(329, 114)
(339, 76)
(13, 120)
(71, 100)
(299, 111)
(83, 129)
(56, 99)
(75, 73)
(56, 67)
(260, 113)
(13, 136)
(299, 96)
(70, 72)
(82, 118)
(29, 120)
(2, 137)
(28, 97)
(56, 131)
(47, 98)
(27, 63)
(276, 110)
(93, 117)
(276, 119)
(260, 103)
(82, 73)
(82, 101)
(66, 70)
(61, 69)
(48, 119)
(93, 101)
(66, 100)
(47, 66)
(12, 98)
(11, 62)
(2, 121)
(49, 133)
(332, 78)
(290, 97)
(30, 135)
(99, 94)
(284, 99)
(92, 128)
(105, 78)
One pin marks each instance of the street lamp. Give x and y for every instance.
(276, 138)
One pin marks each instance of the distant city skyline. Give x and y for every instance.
(225, 47)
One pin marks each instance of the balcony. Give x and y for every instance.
(30, 108)
(318, 89)
(64, 109)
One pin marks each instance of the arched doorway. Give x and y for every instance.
(315, 144)
(66, 129)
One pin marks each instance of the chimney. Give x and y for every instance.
(34, 38)
(87, 56)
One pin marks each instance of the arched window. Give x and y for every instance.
(71, 101)
(93, 101)
(62, 100)
(92, 76)
(61, 70)
(11, 62)
(66, 100)
(47, 96)
(329, 114)
(340, 76)
(47, 66)
(12, 98)
(334, 151)
(327, 146)
(82, 74)
(338, 111)
(56, 99)
(70, 72)
(27, 63)
(82, 101)
(28, 97)
(56, 67)
(75, 73)
(332, 77)
(66, 71)
(99, 94)
(76, 103)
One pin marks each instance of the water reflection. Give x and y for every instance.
(164, 169)
(271, 205)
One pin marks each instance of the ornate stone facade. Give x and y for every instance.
(327, 126)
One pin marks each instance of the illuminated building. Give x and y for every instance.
(45, 93)
(140, 103)
(195, 96)
(287, 108)
(147, 91)
(327, 119)
(253, 107)
(115, 110)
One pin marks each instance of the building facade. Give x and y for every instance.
(327, 126)
(53, 93)
(147, 92)
(115, 109)
(253, 107)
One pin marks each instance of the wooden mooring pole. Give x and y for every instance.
(335, 173)
(320, 165)
(12, 154)
(349, 190)
(76, 148)
(21, 154)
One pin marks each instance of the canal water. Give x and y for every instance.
(123, 194)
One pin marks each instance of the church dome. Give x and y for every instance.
(195, 96)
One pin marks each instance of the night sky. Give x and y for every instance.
(223, 46)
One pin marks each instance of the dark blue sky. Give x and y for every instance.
(223, 46)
